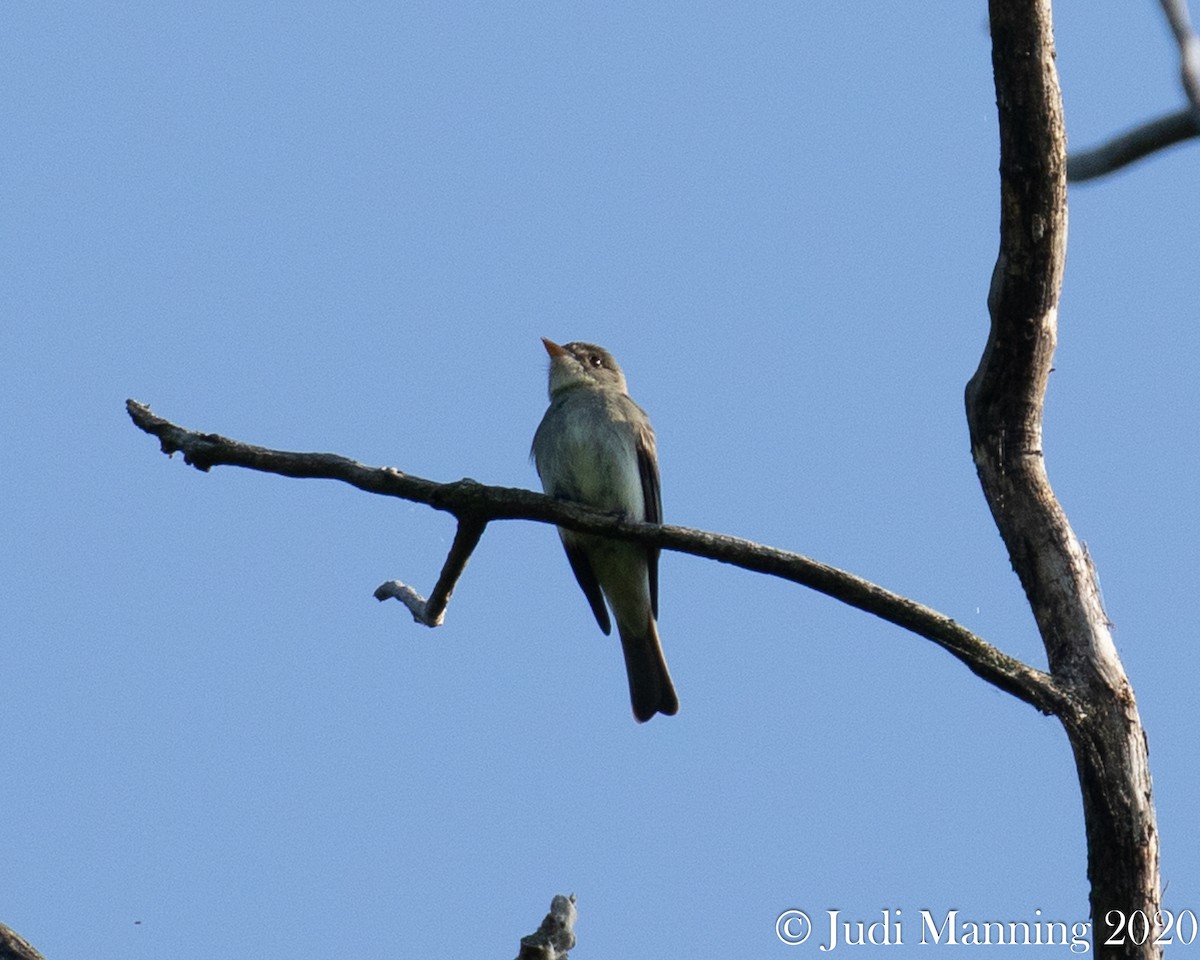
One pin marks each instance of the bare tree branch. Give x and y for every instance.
(551, 941)
(1162, 132)
(1133, 145)
(431, 612)
(1004, 402)
(475, 505)
(14, 947)
(555, 936)
(1189, 50)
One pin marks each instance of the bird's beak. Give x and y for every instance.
(553, 348)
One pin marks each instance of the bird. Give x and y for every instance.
(596, 447)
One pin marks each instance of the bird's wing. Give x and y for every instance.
(588, 583)
(647, 454)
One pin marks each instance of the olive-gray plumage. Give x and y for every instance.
(595, 446)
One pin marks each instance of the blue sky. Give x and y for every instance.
(321, 227)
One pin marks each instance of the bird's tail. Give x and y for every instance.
(650, 688)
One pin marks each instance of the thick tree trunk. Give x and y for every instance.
(1004, 411)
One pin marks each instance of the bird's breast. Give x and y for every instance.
(586, 455)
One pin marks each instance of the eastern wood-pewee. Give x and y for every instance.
(596, 446)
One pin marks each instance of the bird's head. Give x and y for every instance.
(582, 365)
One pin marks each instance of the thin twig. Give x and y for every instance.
(1161, 132)
(431, 612)
(1133, 145)
(475, 503)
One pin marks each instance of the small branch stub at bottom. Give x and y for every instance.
(417, 605)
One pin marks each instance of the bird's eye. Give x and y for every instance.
(594, 360)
